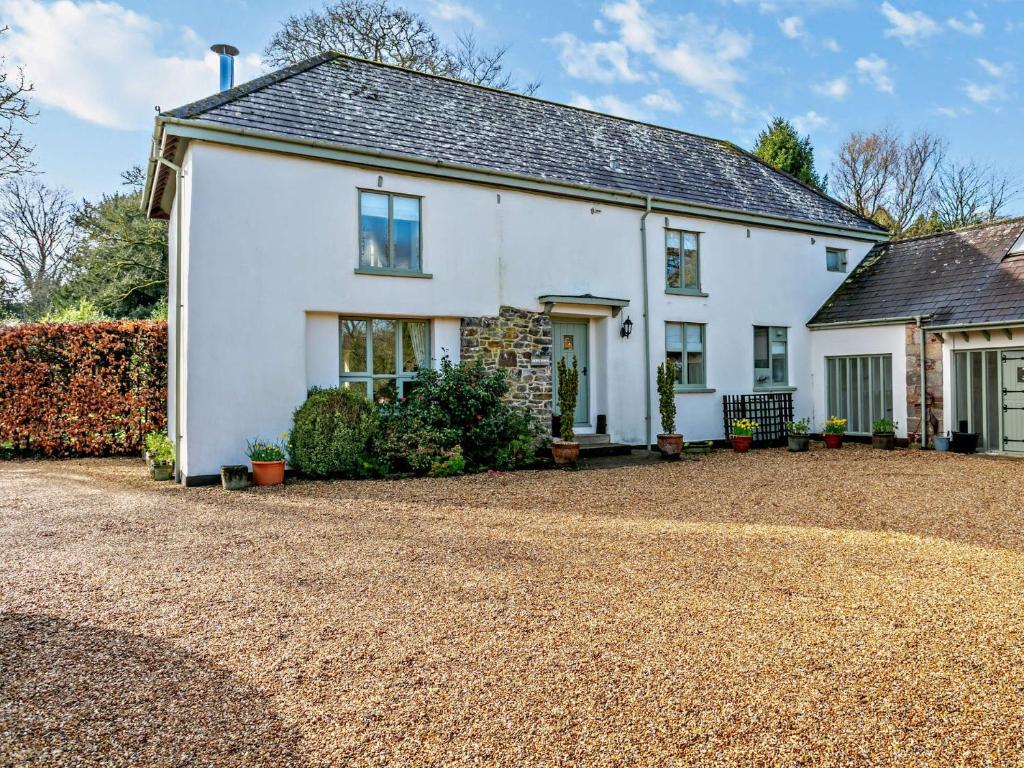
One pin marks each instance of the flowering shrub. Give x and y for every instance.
(82, 389)
(455, 414)
(744, 427)
(835, 426)
(260, 450)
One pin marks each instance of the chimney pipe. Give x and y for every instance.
(227, 55)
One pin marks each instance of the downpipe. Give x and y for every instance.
(924, 383)
(178, 305)
(647, 324)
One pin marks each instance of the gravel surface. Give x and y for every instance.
(833, 608)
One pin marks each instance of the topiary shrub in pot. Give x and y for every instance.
(331, 434)
(883, 434)
(798, 439)
(669, 442)
(566, 451)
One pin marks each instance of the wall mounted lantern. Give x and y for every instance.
(627, 328)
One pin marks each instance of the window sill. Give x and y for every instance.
(779, 388)
(386, 272)
(693, 390)
(685, 292)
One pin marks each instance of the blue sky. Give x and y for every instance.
(718, 67)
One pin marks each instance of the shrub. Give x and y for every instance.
(883, 426)
(456, 406)
(568, 391)
(667, 395)
(82, 389)
(801, 427)
(331, 433)
(160, 448)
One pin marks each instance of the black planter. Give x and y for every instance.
(964, 442)
(884, 441)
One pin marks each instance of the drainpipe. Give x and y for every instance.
(177, 314)
(924, 384)
(647, 325)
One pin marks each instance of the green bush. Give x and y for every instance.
(331, 434)
(568, 392)
(455, 407)
(160, 448)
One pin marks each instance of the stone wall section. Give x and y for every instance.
(933, 384)
(519, 342)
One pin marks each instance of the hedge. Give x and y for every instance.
(82, 389)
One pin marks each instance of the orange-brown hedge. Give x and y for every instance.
(82, 389)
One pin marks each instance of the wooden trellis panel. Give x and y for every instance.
(771, 410)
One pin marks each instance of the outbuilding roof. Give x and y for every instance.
(971, 276)
(356, 103)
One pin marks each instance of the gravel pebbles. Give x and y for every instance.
(832, 608)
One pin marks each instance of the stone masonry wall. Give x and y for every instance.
(933, 384)
(518, 341)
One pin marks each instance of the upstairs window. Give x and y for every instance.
(682, 261)
(771, 357)
(684, 343)
(389, 232)
(835, 259)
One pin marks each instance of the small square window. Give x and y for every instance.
(835, 259)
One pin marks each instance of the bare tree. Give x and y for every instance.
(969, 193)
(379, 31)
(37, 238)
(912, 187)
(15, 153)
(862, 173)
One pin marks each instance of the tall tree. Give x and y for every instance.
(782, 147)
(120, 264)
(969, 193)
(15, 114)
(37, 237)
(380, 31)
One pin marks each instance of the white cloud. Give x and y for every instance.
(950, 112)
(793, 27)
(995, 70)
(663, 101)
(604, 62)
(811, 121)
(707, 58)
(609, 104)
(635, 29)
(835, 89)
(908, 27)
(457, 12)
(831, 44)
(99, 61)
(984, 94)
(874, 70)
(971, 26)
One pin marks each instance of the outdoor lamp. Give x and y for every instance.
(627, 328)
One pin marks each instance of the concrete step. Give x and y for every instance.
(588, 440)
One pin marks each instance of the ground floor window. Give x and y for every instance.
(684, 343)
(771, 357)
(976, 401)
(382, 355)
(859, 389)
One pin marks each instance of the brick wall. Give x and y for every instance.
(933, 383)
(518, 341)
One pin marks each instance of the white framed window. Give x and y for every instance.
(771, 357)
(390, 236)
(382, 355)
(684, 343)
(835, 259)
(682, 261)
(858, 388)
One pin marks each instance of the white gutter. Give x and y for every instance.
(977, 326)
(862, 323)
(325, 150)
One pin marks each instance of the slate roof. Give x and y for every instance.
(358, 103)
(962, 277)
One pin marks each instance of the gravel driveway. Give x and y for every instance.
(833, 608)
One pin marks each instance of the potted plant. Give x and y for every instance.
(964, 442)
(883, 434)
(669, 442)
(799, 440)
(743, 434)
(833, 432)
(566, 451)
(941, 443)
(160, 455)
(267, 461)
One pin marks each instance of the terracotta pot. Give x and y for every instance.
(268, 472)
(884, 441)
(833, 441)
(799, 443)
(670, 446)
(741, 443)
(565, 454)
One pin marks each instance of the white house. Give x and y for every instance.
(343, 221)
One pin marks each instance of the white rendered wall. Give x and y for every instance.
(865, 340)
(273, 246)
